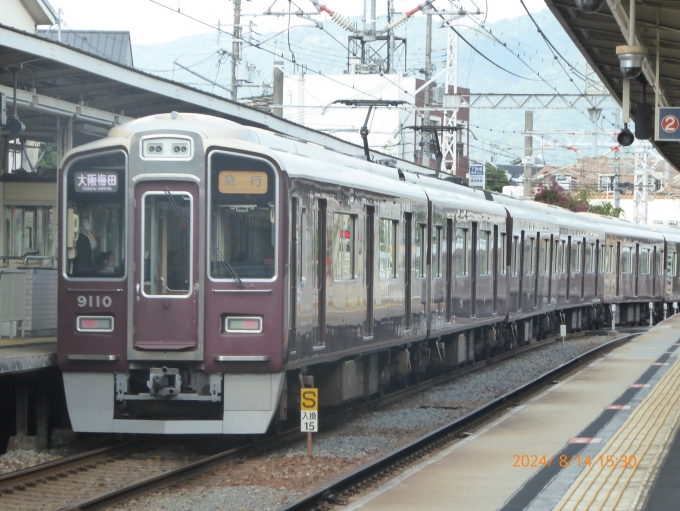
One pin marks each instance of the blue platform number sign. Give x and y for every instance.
(309, 410)
(477, 176)
(669, 124)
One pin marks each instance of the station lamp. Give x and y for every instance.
(589, 5)
(625, 137)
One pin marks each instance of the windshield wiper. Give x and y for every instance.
(229, 268)
(177, 208)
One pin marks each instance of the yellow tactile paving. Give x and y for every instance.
(646, 434)
(25, 341)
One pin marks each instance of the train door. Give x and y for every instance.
(165, 307)
(537, 267)
(408, 284)
(584, 251)
(449, 267)
(369, 251)
(636, 265)
(596, 255)
(618, 267)
(322, 261)
(473, 271)
(654, 272)
(293, 279)
(521, 270)
(568, 267)
(495, 268)
(550, 267)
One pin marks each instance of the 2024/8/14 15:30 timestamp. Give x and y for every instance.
(564, 461)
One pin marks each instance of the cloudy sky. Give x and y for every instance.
(150, 22)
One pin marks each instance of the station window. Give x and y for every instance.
(644, 261)
(626, 259)
(462, 258)
(388, 248)
(28, 230)
(343, 246)
(515, 255)
(484, 252)
(504, 254)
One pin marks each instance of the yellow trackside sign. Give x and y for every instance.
(309, 400)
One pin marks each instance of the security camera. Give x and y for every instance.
(626, 137)
(631, 57)
(589, 5)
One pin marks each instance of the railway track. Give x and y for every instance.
(107, 476)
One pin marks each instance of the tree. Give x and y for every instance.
(606, 208)
(554, 194)
(495, 178)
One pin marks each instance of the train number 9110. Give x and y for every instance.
(94, 301)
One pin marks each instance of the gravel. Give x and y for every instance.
(346, 447)
(230, 498)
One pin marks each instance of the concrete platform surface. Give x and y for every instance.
(27, 354)
(552, 435)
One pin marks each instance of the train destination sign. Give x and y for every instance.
(669, 124)
(309, 410)
(96, 182)
(242, 181)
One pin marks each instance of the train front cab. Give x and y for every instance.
(170, 295)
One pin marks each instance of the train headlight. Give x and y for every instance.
(170, 148)
(243, 324)
(95, 323)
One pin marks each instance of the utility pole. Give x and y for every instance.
(426, 92)
(277, 98)
(235, 49)
(528, 150)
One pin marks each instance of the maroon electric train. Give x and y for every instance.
(209, 270)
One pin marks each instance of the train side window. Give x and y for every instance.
(303, 242)
(576, 257)
(515, 255)
(461, 252)
(420, 253)
(530, 259)
(644, 261)
(544, 259)
(484, 245)
(343, 246)
(659, 263)
(609, 259)
(388, 248)
(504, 254)
(626, 257)
(437, 234)
(590, 258)
(556, 257)
(601, 262)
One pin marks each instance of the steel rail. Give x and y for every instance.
(330, 493)
(50, 469)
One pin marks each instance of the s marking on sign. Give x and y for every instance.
(309, 410)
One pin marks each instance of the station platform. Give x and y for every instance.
(604, 438)
(27, 354)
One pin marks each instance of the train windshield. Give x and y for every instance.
(95, 216)
(243, 218)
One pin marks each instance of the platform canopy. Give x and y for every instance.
(598, 34)
(59, 83)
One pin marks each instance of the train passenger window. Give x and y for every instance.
(576, 257)
(461, 252)
(95, 216)
(437, 243)
(343, 246)
(484, 246)
(388, 248)
(242, 217)
(601, 262)
(303, 243)
(673, 264)
(530, 259)
(544, 258)
(659, 263)
(420, 253)
(515, 255)
(609, 259)
(504, 254)
(626, 260)
(644, 261)
(590, 258)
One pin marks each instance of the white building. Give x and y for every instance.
(26, 15)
